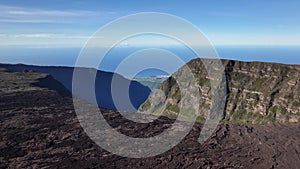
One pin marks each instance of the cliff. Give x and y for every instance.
(257, 93)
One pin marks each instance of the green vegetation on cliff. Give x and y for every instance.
(258, 93)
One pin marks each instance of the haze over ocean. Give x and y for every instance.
(68, 56)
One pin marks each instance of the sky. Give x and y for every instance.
(69, 23)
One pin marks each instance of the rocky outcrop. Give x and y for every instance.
(256, 92)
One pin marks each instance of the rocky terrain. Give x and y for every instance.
(257, 93)
(39, 129)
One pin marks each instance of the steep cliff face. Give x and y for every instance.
(257, 93)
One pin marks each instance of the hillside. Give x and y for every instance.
(257, 93)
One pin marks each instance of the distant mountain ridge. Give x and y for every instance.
(138, 93)
(257, 92)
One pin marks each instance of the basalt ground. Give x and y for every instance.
(39, 129)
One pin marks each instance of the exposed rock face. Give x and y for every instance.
(256, 92)
(39, 129)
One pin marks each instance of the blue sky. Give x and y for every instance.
(69, 23)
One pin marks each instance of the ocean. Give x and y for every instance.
(68, 56)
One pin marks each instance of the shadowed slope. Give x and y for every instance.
(138, 93)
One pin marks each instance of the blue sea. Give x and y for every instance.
(68, 56)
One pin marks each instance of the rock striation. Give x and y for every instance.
(257, 93)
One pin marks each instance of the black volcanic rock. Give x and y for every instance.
(138, 93)
(39, 129)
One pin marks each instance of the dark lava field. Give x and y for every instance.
(39, 129)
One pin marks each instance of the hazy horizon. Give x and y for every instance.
(68, 56)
